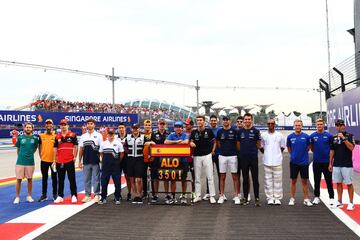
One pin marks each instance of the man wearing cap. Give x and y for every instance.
(203, 141)
(111, 152)
(147, 134)
(26, 145)
(89, 159)
(178, 137)
(65, 151)
(227, 145)
(46, 153)
(341, 164)
(134, 145)
(123, 166)
(157, 137)
(320, 143)
(189, 125)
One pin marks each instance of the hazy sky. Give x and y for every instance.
(277, 43)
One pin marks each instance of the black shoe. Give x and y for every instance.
(43, 198)
(135, 200)
(168, 199)
(128, 199)
(244, 202)
(140, 201)
(55, 196)
(154, 199)
(257, 202)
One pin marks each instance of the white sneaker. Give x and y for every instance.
(237, 200)
(16, 200)
(86, 199)
(58, 200)
(249, 198)
(197, 199)
(332, 202)
(96, 198)
(29, 199)
(73, 199)
(270, 202)
(350, 207)
(338, 205)
(239, 196)
(307, 202)
(225, 199)
(316, 201)
(221, 199)
(292, 202)
(206, 197)
(212, 200)
(277, 202)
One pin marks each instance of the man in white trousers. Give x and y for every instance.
(203, 141)
(272, 146)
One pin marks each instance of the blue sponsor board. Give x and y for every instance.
(78, 118)
(345, 106)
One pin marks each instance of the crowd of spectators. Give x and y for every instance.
(144, 113)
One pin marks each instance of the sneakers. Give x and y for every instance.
(244, 202)
(43, 198)
(86, 199)
(58, 200)
(277, 202)
(339, 205)
(221, 199)
(212, 200)
(197, 199)
(29, 199)
(270, 202)
(154, 199)
(128, 198)
(206, 197)
(292, 202)
(73, 199)
(249, 198)
(137, 200)
(168, 199)
(183, 199)
(16, 200)
(102, 201)
(350, 207)
(237, 200)
(225, 199)
(257, 202)
(307, 202)
(117, 201)
(54, 196)
(316, 201)
(96, 198)
(239, 196)
(332, 202)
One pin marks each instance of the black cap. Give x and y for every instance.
(225, 118)
(339, 122)
(135, 125)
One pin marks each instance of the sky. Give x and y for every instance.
(232, 43)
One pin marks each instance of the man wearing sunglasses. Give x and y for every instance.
(272, 146)
(341, 162)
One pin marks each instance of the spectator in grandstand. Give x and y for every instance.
(157, 137)
(111, 152)
(272, 146)
(134, 145)
(26, 147)
(298, 146)
(147, 134)
(123, 165)
(249, 142)
(46, 153)
(215, 156)
(179, 137)
(203, 141)
(227, 146)
(89, 159)
(341, 163)
(189, 125)
(320, 143)
(65, 151)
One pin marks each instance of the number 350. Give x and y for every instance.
(169, 174)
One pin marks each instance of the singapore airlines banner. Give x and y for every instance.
(74, 118)
(345, 106)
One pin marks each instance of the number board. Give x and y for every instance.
(171, 168)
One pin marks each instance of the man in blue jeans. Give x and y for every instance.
(89, 160)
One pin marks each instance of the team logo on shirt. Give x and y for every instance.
(23, 141)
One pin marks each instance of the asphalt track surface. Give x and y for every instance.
(205, 220)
